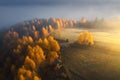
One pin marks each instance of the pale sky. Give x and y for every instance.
(13, 11)
(57, 2)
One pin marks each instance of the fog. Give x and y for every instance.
(10, 15)
(99, 62)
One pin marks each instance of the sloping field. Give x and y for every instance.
(108, 39)
(99, 62)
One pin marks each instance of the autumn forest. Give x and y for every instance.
(42, 49)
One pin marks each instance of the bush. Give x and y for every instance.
(85, 38)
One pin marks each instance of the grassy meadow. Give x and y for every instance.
(98, 62)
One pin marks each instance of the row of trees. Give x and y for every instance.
(29, 56)
(29, 52)
(29, 27)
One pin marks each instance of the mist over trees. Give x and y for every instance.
(28, 51)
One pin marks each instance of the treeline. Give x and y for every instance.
(28, 52)
(35, 26)
(91, 24)
(27, 58)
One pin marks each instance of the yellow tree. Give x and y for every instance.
(36, 53)
(25, 40)
(91, 41)
(26, 74)
(30, 40)
(21, 77)
(85, 38)
(46, 44)
(29, 63)
(81, 38)
(51, 28)
(54, 45)
(52, 56)
(21, 70)
(36, 78)
(36, 34)
(40, 41)
(45, 32)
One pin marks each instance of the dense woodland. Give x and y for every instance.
(29, 52)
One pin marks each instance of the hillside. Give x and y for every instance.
(47, 49)
(98, 62)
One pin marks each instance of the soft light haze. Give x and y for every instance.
(13, 11)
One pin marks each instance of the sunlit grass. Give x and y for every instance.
(110, 39)
(99, 62)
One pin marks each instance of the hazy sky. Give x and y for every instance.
(13, 11)
(57, 2)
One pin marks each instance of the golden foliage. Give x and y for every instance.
(46, 44)
(28, 73)
(85, 38)
(91, 39)
(29, 63)
(24, 74)
(51, 28)
(36, 34)
(50, 38)
(30, 40)
(21, 77)
(36, 78)
(52, 56)
(40, 41)
(21, 70)
(36, 53)
(30, 51)
(45, 32)
(25, 40)
(81, 38)
(54, 45)
(18, 49)
(30, 54)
